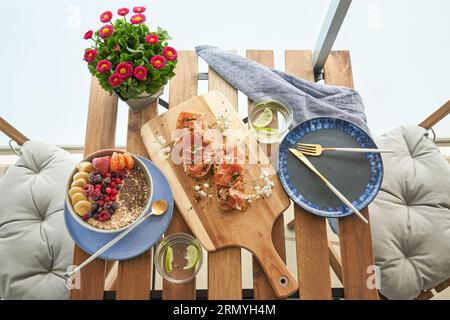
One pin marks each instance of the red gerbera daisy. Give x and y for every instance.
(106, 16)
(103, 66)
(152, 38)
(139, 9)
(115, 80)
(90, 55)
(170, 53)
(123, 11)
(105, 31)
(137, 18)
(158, 61)
(125, 70)
(140, 73)
(88, 34)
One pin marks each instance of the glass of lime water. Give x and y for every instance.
(178, 257)
(269, 120)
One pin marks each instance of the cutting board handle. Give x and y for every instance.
(282, 281)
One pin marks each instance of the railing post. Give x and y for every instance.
(330, 29)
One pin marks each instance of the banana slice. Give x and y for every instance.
(85, 166)
(82, 207)
(81, 175)
(78, 183)
(77, 197)
(74, 190)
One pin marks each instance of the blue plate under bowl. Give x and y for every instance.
(357, 175)
(141, 239)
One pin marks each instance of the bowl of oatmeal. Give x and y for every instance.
(109, 190)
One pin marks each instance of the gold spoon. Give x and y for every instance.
(159, 207)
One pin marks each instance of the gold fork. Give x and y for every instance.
(316, 149)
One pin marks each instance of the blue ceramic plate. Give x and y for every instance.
(142, 238)
(357, 175)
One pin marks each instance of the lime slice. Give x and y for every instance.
(169, 259)
(191, 257)
(264, 118)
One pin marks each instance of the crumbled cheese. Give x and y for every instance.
(223, 119)
(165, 150)
(263, 191)
(200, 191)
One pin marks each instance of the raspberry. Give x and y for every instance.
(107, 199)
(85, 217)
(104, 216)
(88, 188)
(112, 184)
(108, 174)
(101, 203)
(118, 180)
(108, 190)
(113, 198)
(114, 192)
(94, 194)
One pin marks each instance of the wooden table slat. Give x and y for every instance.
(262, 288)
(134, 275)
(354, 235)
(181, 87)
(100, 134)
(224, 266)
(310, 231)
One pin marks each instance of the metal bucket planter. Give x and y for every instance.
(141, 101)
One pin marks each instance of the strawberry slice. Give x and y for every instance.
(101, 164)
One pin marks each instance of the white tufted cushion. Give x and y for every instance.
(35, 248)
(410, 217)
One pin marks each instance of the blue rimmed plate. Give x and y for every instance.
(357, 175)
(141, 239)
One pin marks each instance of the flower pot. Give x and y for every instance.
(141, 101)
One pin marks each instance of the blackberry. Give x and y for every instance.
(95, 178)
(118, 186)
(113, 175)
(94, 207)
(106, 181)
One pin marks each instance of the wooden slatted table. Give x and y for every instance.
(224, 266)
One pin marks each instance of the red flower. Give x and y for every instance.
(140, 73)
(106, 31)
(88, 35)
(106, 16)
(170, 53)
(123, 11)
(152, 38)
(125, 70)
(139, 9)
(90, 55)
(137, 18)
(103, 66)
(158, 62)
(115, 80)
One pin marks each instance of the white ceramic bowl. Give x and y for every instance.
(103, 153)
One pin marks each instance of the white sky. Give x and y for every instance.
(399, 51)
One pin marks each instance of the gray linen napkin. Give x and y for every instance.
(307, 99)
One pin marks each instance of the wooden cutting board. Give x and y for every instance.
(216, 229)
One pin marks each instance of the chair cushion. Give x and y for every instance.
(410, 218)
(35, 247)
